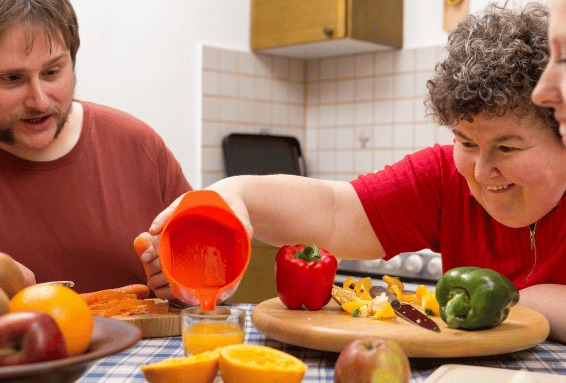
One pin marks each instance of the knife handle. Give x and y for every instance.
(376, 291)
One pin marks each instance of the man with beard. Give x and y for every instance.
(78, 181)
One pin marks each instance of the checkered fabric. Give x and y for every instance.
(549, 357)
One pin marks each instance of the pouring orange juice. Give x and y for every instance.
(204, 250)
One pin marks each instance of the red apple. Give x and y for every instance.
(30, 337)
(372, 360)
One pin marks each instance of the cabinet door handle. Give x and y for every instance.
(328, 31)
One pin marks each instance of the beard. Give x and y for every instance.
(7, 128)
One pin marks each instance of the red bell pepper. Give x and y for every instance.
(304, 275)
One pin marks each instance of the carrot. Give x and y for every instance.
(101, 296)
(140, 291)
(123, 301)
(141, 243)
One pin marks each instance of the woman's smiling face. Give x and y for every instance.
(515, 168)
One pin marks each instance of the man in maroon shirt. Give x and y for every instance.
(79, 181)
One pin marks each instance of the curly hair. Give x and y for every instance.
(494, 61)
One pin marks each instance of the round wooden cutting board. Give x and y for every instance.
(331, 329)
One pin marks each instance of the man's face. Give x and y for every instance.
(36, 89)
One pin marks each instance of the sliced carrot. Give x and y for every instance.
(123, 301)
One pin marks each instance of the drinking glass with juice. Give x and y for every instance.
(206, 330)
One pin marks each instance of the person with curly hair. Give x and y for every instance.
(494, 199)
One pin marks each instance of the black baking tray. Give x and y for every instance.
(262, 154)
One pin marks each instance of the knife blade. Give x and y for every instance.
(404, 310)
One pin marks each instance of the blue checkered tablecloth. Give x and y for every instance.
(547, 357)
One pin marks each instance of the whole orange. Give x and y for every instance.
(67, 308)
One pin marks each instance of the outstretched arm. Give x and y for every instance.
(549, 300)
(284, 209)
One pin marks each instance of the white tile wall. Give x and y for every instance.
(352, 114)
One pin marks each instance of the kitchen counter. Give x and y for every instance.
(547, 357)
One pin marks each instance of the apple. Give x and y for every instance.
(371, 360)
(30, 337)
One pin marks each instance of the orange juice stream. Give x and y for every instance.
(208, 335)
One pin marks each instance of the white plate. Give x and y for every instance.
(450, 373)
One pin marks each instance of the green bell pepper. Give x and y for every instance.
(472, 297)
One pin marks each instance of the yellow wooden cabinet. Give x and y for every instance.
(324, 28)
(258, 283)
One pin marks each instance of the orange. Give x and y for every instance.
(201, 368)
(69, 310)
(251, 363)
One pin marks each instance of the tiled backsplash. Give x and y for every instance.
(352, 114)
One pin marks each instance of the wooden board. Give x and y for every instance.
(156, 325)
(450, 373)
(331, 329)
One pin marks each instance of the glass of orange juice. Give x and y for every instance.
(206, 330)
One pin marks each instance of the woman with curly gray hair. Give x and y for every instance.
(494, 199)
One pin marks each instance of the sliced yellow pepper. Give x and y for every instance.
(348, 282)
(391, 282)
(365, 296)
(422, 291)
(366, 283)
(352, 305)
(408, 297)
(362, 288)
(429, 302)
(385, 312)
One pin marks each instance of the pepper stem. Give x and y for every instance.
(457, 307)
(309, 254)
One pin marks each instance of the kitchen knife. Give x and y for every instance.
(405, 310)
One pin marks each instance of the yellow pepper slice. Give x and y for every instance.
(421, 292)
(366, 283)
(365, 296)
(429, 302)
(385, 312)
(362, 288)
(348, 282)
(408, 297)
(352, 305)
(391, 282)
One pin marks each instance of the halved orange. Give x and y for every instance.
(251, 363)
(200, 368)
